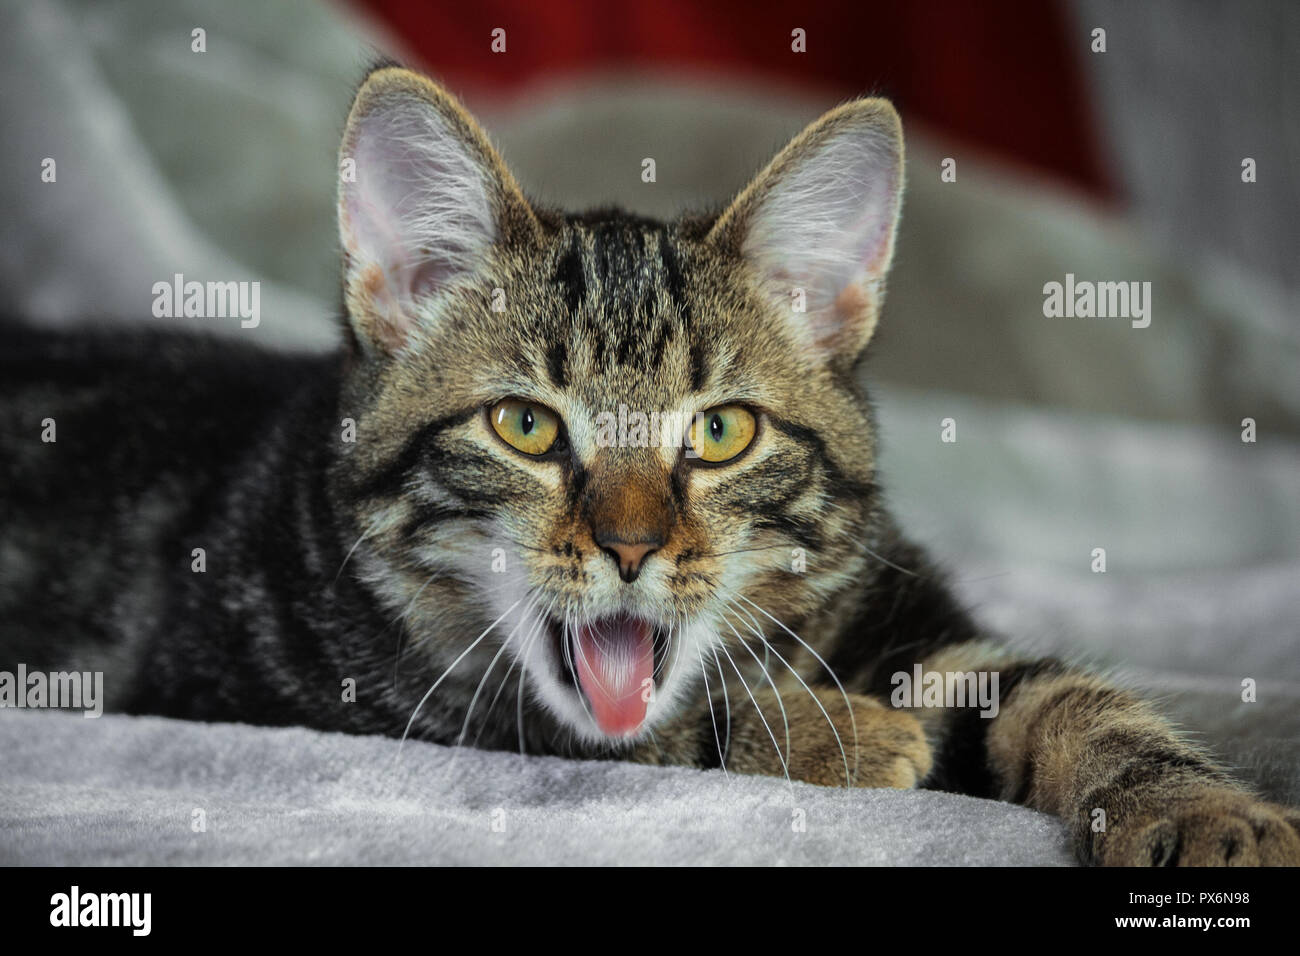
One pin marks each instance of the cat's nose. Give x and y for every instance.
(628, 555)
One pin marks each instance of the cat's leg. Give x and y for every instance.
(815, 739)
(1132, 790)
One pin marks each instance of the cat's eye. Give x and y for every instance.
(526, 426)
(722, 433)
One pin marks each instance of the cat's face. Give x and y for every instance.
(627, 447)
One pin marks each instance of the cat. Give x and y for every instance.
(441, 533)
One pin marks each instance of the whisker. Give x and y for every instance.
(726, 701)
(713, 716)
(758, 710)
(519, 704)
(885, 561)
(724, 554)
(753, 627)
(843, 693)
(568, 656)
(450, 668)
(844, 532)
(397, 653)
(370, 529)
(660, 662)
(469, 713)
(779, 702)
(521, 658)
(667, 666)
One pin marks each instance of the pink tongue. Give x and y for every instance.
(614, 662)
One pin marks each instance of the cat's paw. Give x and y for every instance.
(1212, 826)
(891, 747)
(875, 746)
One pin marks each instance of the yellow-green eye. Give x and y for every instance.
(722, 433)
(526, 426)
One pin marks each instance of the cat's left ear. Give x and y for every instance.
(423, 199)
(816, 227)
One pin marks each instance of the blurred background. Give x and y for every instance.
(1072, 434)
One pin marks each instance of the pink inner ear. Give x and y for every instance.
(827, 226)
(419, 212)
(876, 225)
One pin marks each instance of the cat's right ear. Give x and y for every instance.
(423, 199)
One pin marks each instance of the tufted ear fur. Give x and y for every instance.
(820, 220)
(427, 200)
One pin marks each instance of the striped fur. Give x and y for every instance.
(443, 572)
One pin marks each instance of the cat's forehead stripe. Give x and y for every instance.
(622, 282)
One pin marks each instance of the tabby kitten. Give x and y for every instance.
(493, 560)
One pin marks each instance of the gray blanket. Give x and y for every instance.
(1071, 436)
(126, 790)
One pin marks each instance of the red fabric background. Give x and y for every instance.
(1004, 77)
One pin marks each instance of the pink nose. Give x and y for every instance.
(629, 555)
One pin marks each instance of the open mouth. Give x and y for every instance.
(612, 662)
